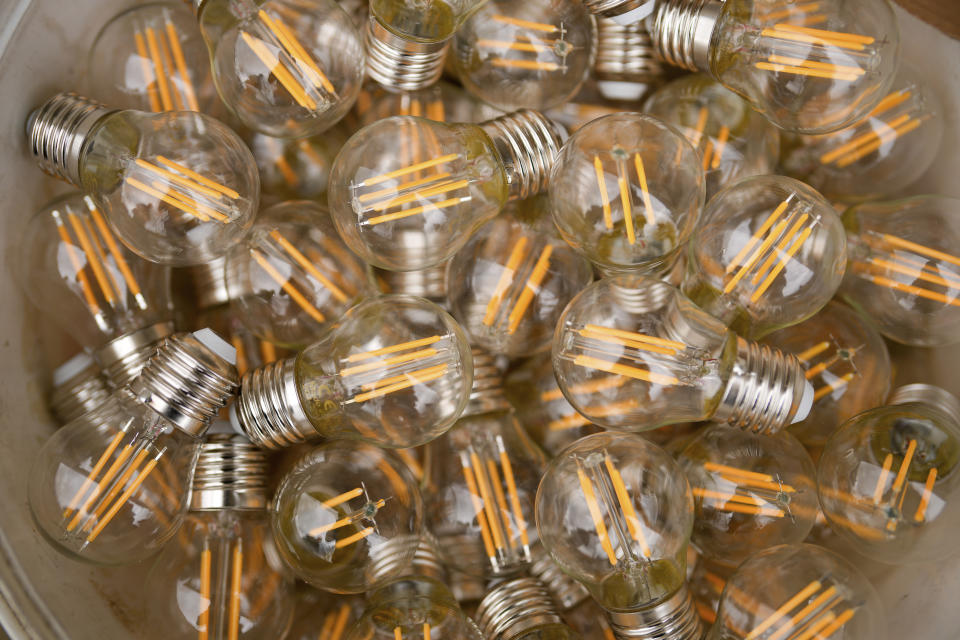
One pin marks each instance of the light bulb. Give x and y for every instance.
(286, 68)
(879, 155)
(521, 609)
(798, 590)
(113, 303)
(750, 491)
(625, 68)
(734, 141)
(614, 511)
(78, 387)
(809, 68)
(770, 252)
(634, 353)
(406, 193)
(626, 192)
(111, 487)
(339, 509)
(903, 273)
(178, 188)
(509, 284)
(292, 278)
(885, 477)
(296, 169)
(395, 372)
(320, 615)
(534, 55)
(443, 102)
(152, 58)
(216, 579)
(847, 361)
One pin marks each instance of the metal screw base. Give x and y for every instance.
(486, 394)
(626, 66)
(681, 30)
(78, 388)
(514, 607)
(268, 410)
(398, 64)
(675, 619)
(528, 143)
(929, 394)
(57, 131)
(231, 473)
(122, 359)
(393, 559)
(429, 283)
(565, 591)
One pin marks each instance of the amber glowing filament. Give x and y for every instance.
(183, 189)
(164, 69)
(537, 39)
(909, 267)
(805, 51)
(744, 491)
(814, 613)
(636, 348)
(364, 516)
(406, 365)
(827, 361)
(203, 618)
(891, 509)
(712, 153)
(574, 419)
(625, 192)
(335, 623)
(804, 13)
(510, 286)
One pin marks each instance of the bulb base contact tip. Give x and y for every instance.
(681, 31)
(268, 409)
(528, 143)
(515, 606)
(78, 388)
(231, 473)
(398, 64)
(676, 618)
(56, 133)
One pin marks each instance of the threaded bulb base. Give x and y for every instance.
(626, 67)
(57, 131)
(231, 473)
(268, 410)
(398, 64)
(78, 388)
(675, 619)
(429, 283)
(928, 394)
(393, 559)
(515, 606)
(625, 12)
(486, 394)
(681, 30)
(564, 590)
(122, 359)
(528, 143)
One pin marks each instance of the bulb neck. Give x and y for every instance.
(209, 282)
(513, 607)
(188, 381)
(528, 143)
(930, 395)
(626, 66)
(399, 64)
(767, 390)
(681, 31)
(268, 410)
(122, 359)
(565, 591)
(231, 473)
(625, 12)
(674, 619)
(392, 559)
(58, 130)
(486, 394)
(429, 283)
(78, 387)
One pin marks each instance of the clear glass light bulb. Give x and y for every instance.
(750, 491)
(848, 363)
(396, 372)
(626, 192)
(286, 68)
(322, 611)
(217, 578)
(443, 102)
(292, 278)
(152, 58)
(296, 169)
(770, 252)
(634, 353)
(903, 273)
(615, 512)
(879, 155)
(339, 509)
(178, 188)
(798, 589)
(734, 141)
(512, 280)
(886, 477)
(406, 193)
(809, 68)
(111, 487)
(531, 55)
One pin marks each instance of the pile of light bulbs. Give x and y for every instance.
(456, 347)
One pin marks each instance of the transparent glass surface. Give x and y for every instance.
(112, 486)
(589, 620)
(413, 609)
(423, 20)
(512, 280)
(338, 510)
(532, 55)
(808, 67)
(904, 273)
(750, 491)
(286, 68)
(322, 615)
(406, 193)
(706, 584)
(213, 580)
(252, 352)
(443, 102)
(770, 253)
(292, 278)
(296, 169)
(888, 480)
(626, 192)
(847, 361)
(178, 188)
(615, 513)
(633, 353)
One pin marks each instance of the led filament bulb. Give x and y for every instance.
(406, 193)
(396, 372)
(292, 278)
(615, 513)
(903, 272)
(534, 55)
(793, 591)
(320, 610)
(626, 68)
(634, 353)
(177, 188)
(750, 491)
(339, 509)
(887, 477)
(626, 192)
(111, 487)
(847, 362)
(770, 252)
(734, 141)
(217, 578)
(809, 67)
(286, 68)
(510, 283)
(113, 303)
(296, 169)
(152, 58)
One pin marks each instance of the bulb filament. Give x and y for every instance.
(522, 292)
(624, 188)
(832, 355)
(183, 189)
(744, 492)
(409, 364)
(637, 348)
(335, 623)
(530, 41)
(354, 519)
(893, 259)
(817, 615)
(164, 69)
(802, 50)
(712, 153)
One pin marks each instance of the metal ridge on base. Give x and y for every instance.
(528, 143)
(399, 64)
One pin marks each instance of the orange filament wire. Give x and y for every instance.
(921, 249)
(387, 362)
(117, 487)
(390, 191)
(639, 337)
(925, 499)
(488, 501)
(526, 24)
(708, 149)
(426, 164)
(892, 100)
(123, 499)
(412, 380)
(756, 255)
(279, 71)
(439, 188)
(782, 263)
(814, 605)
(178, 101)
(625, 202)
(921, 275)
(644, 189)
(308, 266)
(577, 420)
(203, 180)
(755, 238)
(840, 620)
(884, 137)
(812, 64)
(852, 144)
(506, 277)
(406, 213)
(780, 247)
(635, 344)
(700, 126)
(426, 631)
(236, 580)
(296, 51)
(821, 33)
(813, 628)
(530, 289)
(701, 492)
(147, 70)
(341, 623)
(784, 13)
(840, 383)
(89, 480)
(189, 93)
(917, 291)
(882, 480)
(289, 175)
(516, 46)
(512, 491)
(343, 497)
(749, 475)
(158, 70)
(585, 387)
(631, 372)
(345, 542)
(288, 287)
(818, 37)
(422, 342)
(342, 522)
(97, 490)
(805, 71)
(805, 356)
(634, 526)
(905, 465)
(788, 606)
(525, 64)
(159, 195)
(465, 465)
(749, 509)
(81, 276)
(587, 487)
(604, 196)
(401, 377)
(98, 273)
(501, 501)
(718, 149)
(98, 246)
(203, 619)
